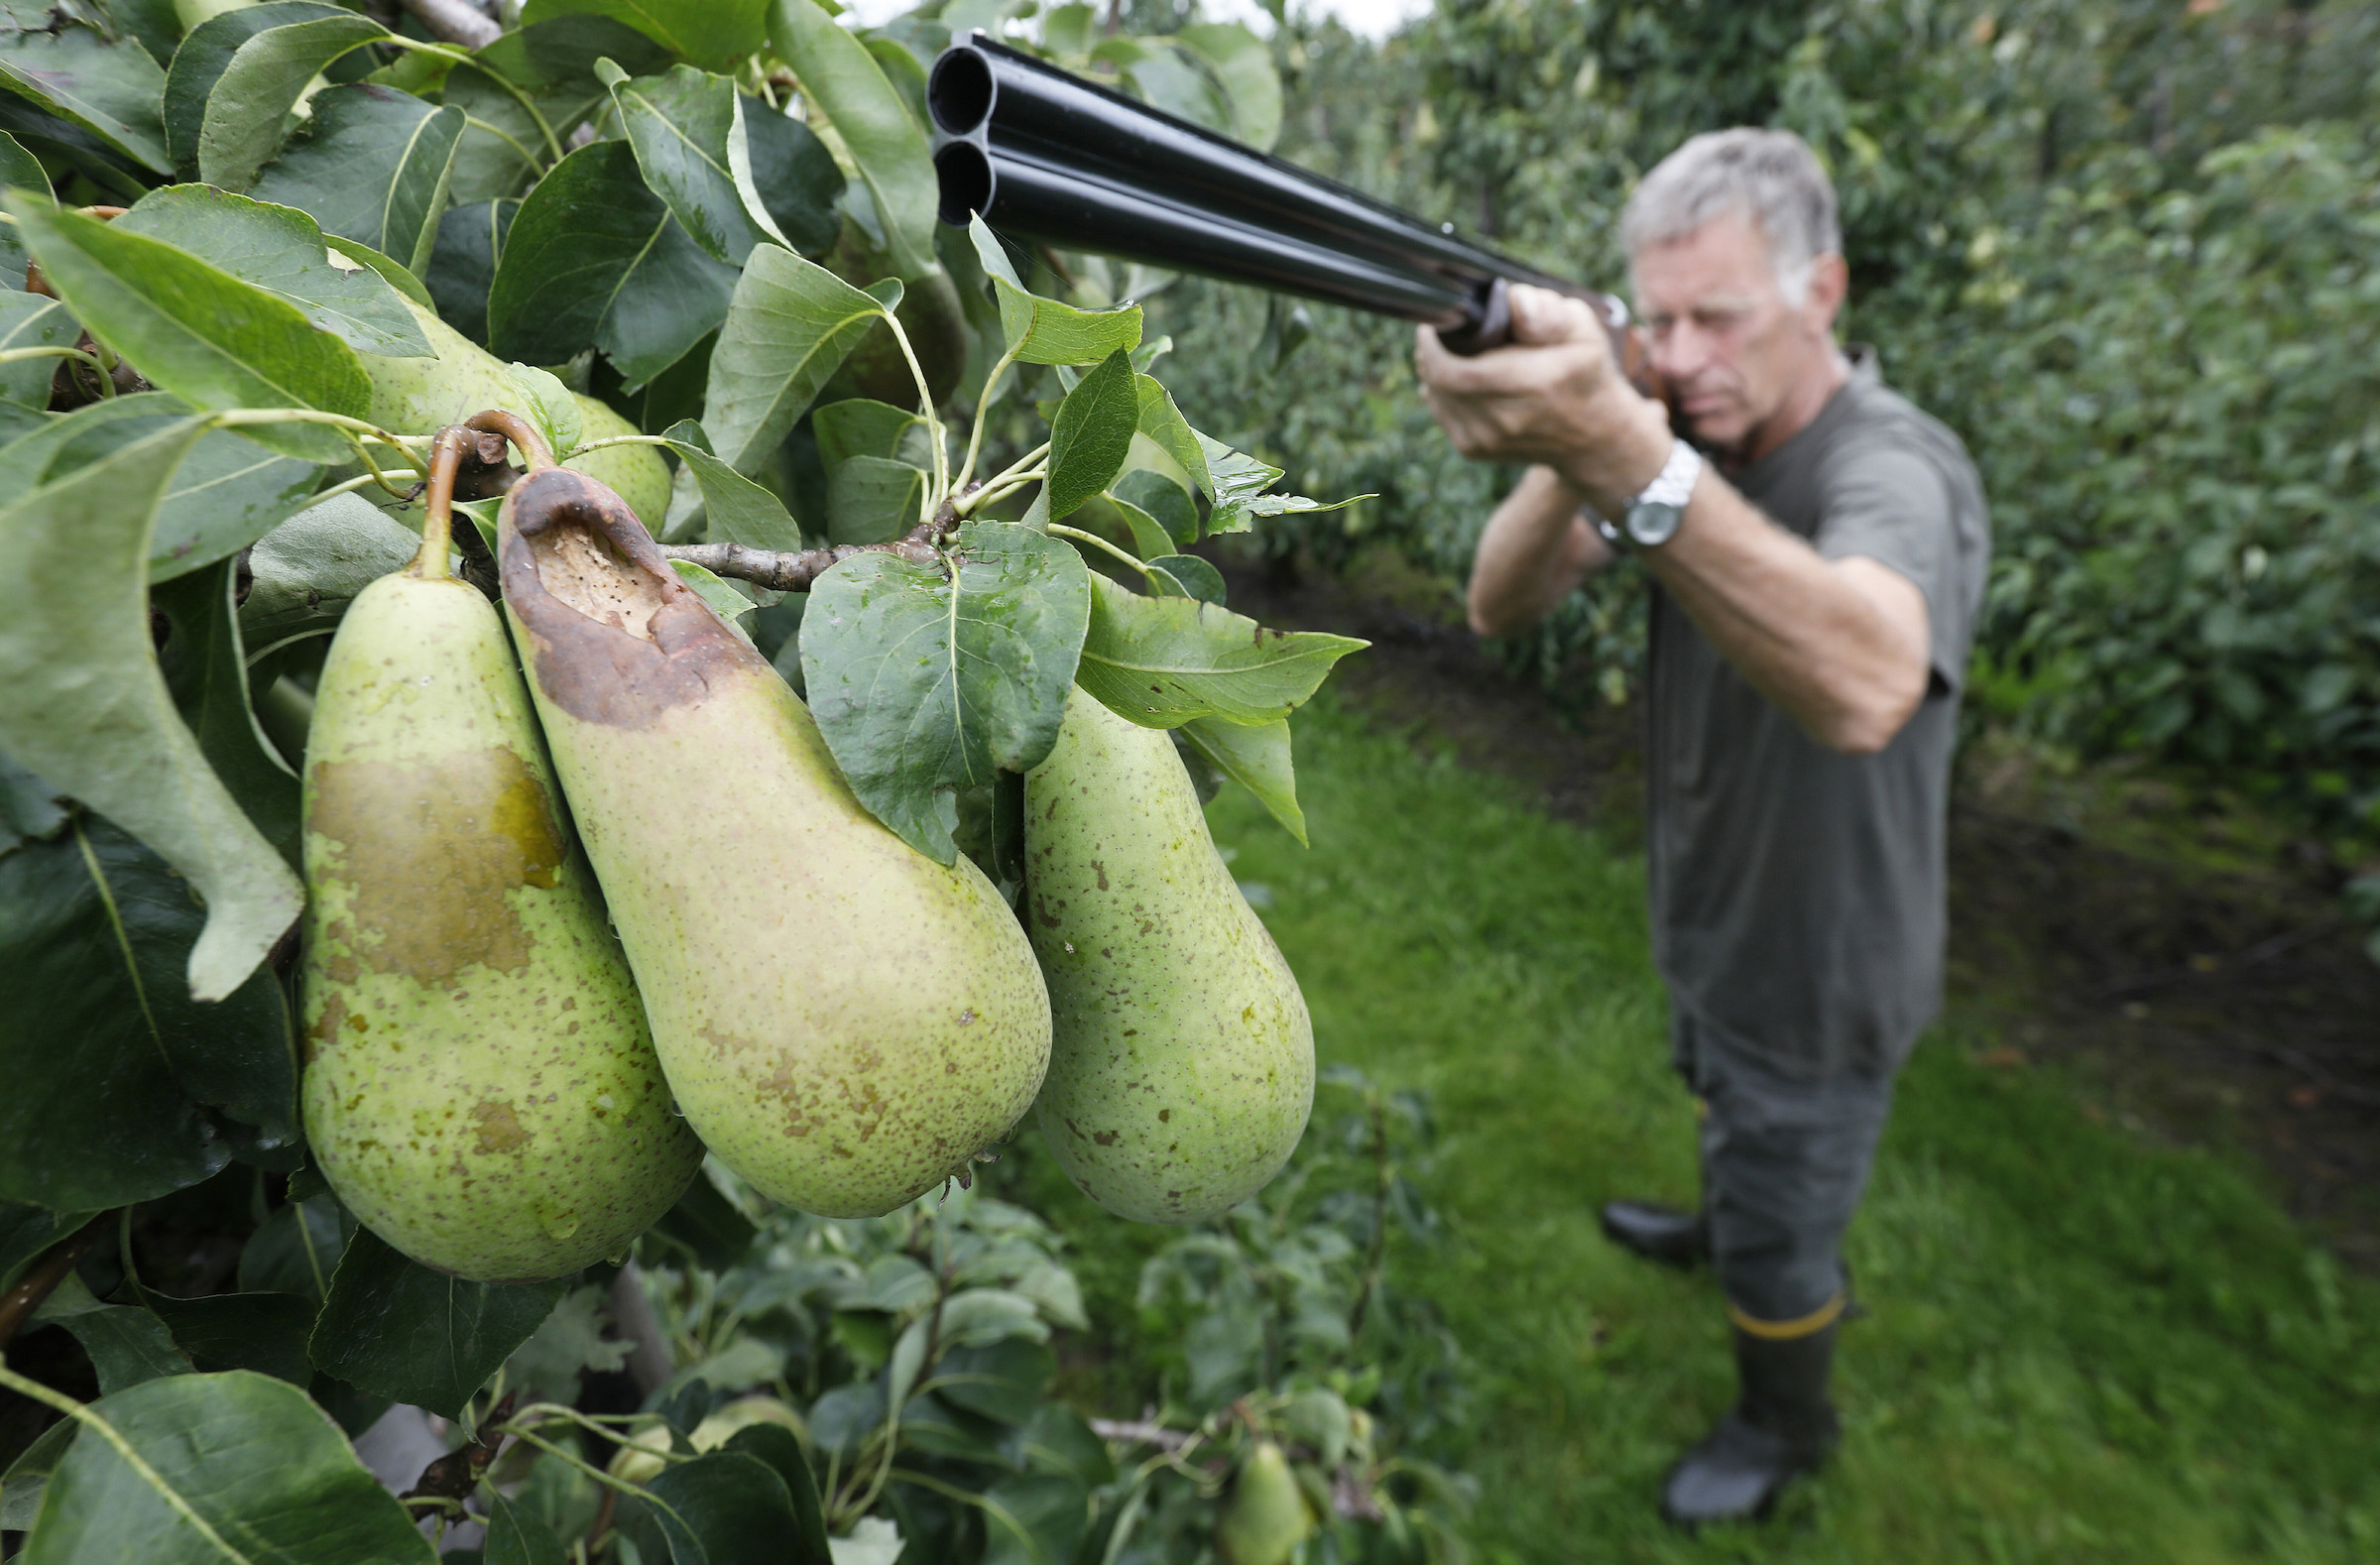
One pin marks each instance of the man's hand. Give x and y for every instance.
(1552, 397)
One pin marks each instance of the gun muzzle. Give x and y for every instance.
(1047, 157)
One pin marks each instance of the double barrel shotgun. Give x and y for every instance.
(1046, 157)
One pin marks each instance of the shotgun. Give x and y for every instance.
(1046, 157)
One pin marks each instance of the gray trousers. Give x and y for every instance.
(1785, 1161)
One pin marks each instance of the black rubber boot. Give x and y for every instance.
(1784, 1426)
(1659, 1233)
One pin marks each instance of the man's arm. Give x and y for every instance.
(1839, 645)
(1535, 550)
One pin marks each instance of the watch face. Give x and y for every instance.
(1652, 523)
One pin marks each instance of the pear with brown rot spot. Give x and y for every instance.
(845, 1021)
(1181, 1068)
(479, 1085)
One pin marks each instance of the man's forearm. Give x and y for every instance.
(1533, 552)
(1839, 645)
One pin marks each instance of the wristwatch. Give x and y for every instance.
(1651, 519)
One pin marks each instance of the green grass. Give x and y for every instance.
(2081, 1348)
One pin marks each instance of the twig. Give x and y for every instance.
(456, 22)
(452, 1477)
(794, 571)
(536, 454)
(45, 1275)
(1144, 1432)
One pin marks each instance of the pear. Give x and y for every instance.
(1266, 1517)
(1182, 1061)
(844, 1020)
(479, 1084)
(414, 396)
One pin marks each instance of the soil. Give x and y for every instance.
(2186, 965)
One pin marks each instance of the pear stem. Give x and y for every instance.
(534, 449)
(438, 515)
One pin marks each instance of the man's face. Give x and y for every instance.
(1726, 341)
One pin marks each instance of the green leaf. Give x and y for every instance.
(924, 685)
(738, 510)
(198, 331)
(1041, 330)
(248, 103)
(295, 1250)
(1149, 537)
(371, 165)
(402, 1331)
(264, 1332)
(873, 500)
(1189, 576)
(1163, 424)
(885, 143)
(1034, 1520)
(217, 1470)
(28, 1477)
(127, 1345)
(1092, 433)
(788, 182)
(782, 1449)
(30, 320)
(206, 669)
(205, 53)
(1243, 64)
(106, 1048)
(1002, 1380)
(594, 259)
(679, 125)
(725, 1508)
(110, 90)
(28, 808)
(552, 61)
(551, 406)
(392, 271)
(1161, 662)
(788, 329)
(720, 594)
(280, 250)
(462, 264)
(858, 426)
(713, 34)
(84, 706)
(27, 1231)
(1257, 759)
(309, 569)
(1164, 501)
(518, 1535)
(20, 170)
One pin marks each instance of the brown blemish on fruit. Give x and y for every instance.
(430, 852)
(614, 637)
(499, 1128)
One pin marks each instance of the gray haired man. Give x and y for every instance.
(1818, 548)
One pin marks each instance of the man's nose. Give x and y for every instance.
(1682, 352)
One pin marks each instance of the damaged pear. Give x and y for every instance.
(479, 1084)
(845, 1021)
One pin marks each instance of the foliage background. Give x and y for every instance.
(2125, 248)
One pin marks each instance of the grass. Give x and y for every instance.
(2080, 1347)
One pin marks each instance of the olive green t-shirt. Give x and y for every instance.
(1797, 895)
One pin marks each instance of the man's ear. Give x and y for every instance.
(1830, 283)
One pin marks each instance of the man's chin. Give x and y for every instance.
(1718, 433)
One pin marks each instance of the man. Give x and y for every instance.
(1818, 548)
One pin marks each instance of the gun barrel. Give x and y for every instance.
(1046, 156)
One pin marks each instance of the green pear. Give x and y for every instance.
(1182, 1061)
(1266, 1517)
(844, 1020)
(416, 395)
(479, 1084)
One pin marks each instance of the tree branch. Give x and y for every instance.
(456, 22)
(44, 1276)
(794, 570)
